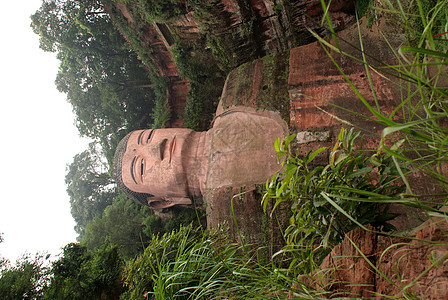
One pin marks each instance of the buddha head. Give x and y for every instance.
(176, 166)
(157, 166)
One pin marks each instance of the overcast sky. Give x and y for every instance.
(38, 141)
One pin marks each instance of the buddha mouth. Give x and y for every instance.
(172, 146)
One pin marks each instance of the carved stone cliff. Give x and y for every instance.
(223, 34)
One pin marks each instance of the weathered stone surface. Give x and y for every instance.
(419, 266)
(243, 214)
(321, 97)
(246, 210)
(345, 270)
(318, 97)
(402, 267)
(316, 91)
(241, 147)
(249, 29)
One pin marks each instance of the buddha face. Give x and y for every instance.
(153, 163)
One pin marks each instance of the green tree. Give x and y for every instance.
(131, 226)
(125, 223)
(83, 274)
(104, 81)
(89, 187)
(27, 279)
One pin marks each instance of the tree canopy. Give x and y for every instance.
(27, 279)
(105, 83)
(89, 186)
(131, 226)
(83, 274)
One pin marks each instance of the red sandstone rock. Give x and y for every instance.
(419, 267)
(273, 29)
(345, 270)
(402, 267)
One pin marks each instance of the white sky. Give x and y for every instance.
(38, 141)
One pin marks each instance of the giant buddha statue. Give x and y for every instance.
(176, 166)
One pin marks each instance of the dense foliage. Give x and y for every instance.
(27, 279)
(104, 81)
(327, 201)
(89, 187)
(190, 264)
(131, 226)
(83, 274)
(193, 57)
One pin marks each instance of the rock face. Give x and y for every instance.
(247, 223)
(320, 101)
(307, 87)
(380, 266)
(236, 31)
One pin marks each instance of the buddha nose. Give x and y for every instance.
(156, 150)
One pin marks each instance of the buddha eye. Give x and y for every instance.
(142, 167)
(132, 170)
(149, 136)
(139, 137)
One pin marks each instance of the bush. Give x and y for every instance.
(352, 190)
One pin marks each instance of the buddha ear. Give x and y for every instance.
(180, 200)
(160, 203)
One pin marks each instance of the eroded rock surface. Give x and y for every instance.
(236, 31)
(369, 265)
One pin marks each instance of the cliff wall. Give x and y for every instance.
(215, 37)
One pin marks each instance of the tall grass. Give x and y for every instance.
(188, 265)
(421, 71)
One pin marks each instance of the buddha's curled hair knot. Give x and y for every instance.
(117, 171)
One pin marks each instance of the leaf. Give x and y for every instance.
(351, 139)
(407, 129)
(280, 155)
(323, 194)
(397, 145)
(375, 161)
(277, 203)
(265, 201)
(313, 155)
(276, 144)
(288, 140)
(340, 158)
(318, 202)
(423, 51)
(439, 214)
(360, 172)
(341, 135)
(287, 179)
